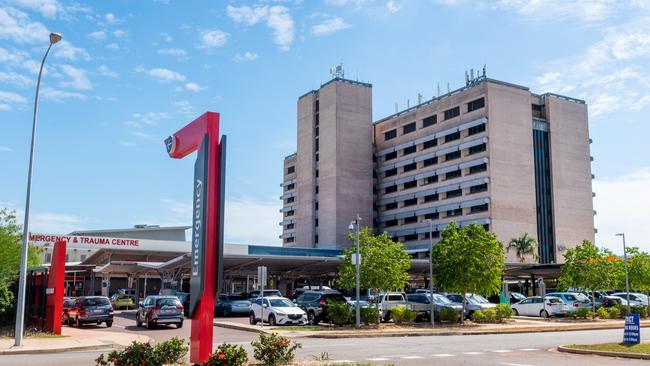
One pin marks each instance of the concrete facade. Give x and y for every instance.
(491, 152)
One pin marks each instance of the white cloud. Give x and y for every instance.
(163, 75)
(5, 149)
(213, 39)
(247, 56)
(175, 52)
(14, 78)
(47, 8)
(277, 19)
(65, 50)
(329, 26)
(621, 205)
(110, 18)
(193, 87)
(97, 36)
(556, 10)
(113, 46)
(353, 4)
(61, 95)
(148, 118)
(178, 207)
(16, 26)
(10, 97)
(4, 107)
(77, 78)
(54, 222)
(141, 135)
(119, 33)
(393, 7)
(12, 58)
(166, 37)
(127, 143)
(251, 221)
(105, 71)
(183, 107)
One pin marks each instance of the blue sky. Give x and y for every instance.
(129, 73)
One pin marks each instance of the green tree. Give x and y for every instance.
(588, 268)
(524, 245)
(468, 259)
(384, 263)
(10, 249)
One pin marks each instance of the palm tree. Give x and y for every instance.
(524, 245)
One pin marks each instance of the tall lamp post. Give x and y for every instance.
(356, 224)
(432, 310)
(20, 309)
(627, 278)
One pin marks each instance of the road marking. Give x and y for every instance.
(411, 357)
(501, 351)
(342, 361)
(443, 355)
(473, 353)
(514, 364)
(378, 359)
(120, 326)
(529, 349)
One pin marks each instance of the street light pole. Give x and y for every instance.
(432, 310)
(357, 309)
(20, 306)
(627, 278)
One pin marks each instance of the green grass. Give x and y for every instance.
(643, 348)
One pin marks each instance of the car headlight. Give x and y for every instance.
(280, 312)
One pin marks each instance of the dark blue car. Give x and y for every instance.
(232, 305)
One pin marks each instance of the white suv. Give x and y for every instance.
(276, 311)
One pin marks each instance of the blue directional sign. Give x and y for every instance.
(632, 332)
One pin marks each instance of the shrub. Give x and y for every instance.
(228, 355)
(478, 316)
(603, 313)
(402, 314)
(617, 311)
(504, 311)
(642, 310)
(370, 315)
(339, 313)
(274, 350)
(6, 300)
(139, 353)
(490, 315)
(583, 313)
(449, 314)
(571, 314)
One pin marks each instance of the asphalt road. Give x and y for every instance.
(529, 349)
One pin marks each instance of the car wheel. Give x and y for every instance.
(272, 320)
(179, 325)
(251, 319)
(138, 323)
(387, 316)
(470, 315)
(109, 324)
(150, 324)
(311, 318)
(543, 314)
(69, 321)
(225, 313)
(515, 312)
(77, 322)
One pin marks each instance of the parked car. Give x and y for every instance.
(609, 301)
(122, 301)
(229, 304)
(515, 297)
(573, 300)
(276, 311)
(298, 291)
(422, 304)
(271, 292)
(362, 304)
(635, 298)
(474, 302)
(386, 302)
(536, 306)
(184, 298)
(422, 291)
(314, 303)
(91, 309)
(442, 302)
(68, 302)
(156, 310)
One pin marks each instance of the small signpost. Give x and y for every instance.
(632, 332)
(261, 279)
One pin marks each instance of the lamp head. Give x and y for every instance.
(351, 227)
(620, 234)
(55, 37)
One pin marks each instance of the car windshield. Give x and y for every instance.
(235, 298)
(582, 297)
(642, 297)
(441, 300)
(554, 300)
(97, 301)
(476, 299)
(281, 303)
(518, 296)
(168, 301)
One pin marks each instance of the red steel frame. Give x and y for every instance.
(55, 282)
(186, 141)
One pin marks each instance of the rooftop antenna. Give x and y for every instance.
(396, 108)
(337, 72)
(466, 78)
(484, 70)
(438, 89)
(408, 103)
(471, 73)
(419, 98)
(448, 89)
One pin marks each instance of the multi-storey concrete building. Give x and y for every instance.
(491, 152)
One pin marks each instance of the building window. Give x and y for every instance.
(431, 161)
(411, 184)
(410, 220)
(430, 180)
(452, 155)
(409, 150)
(316, 190)
(316, 119)
(289, 240)
(316, 157)
(430, 121)
(391, 206)
(391, 189)
(317, 106)
(454, 213)
(477, 149)
(390, 156)
(291, 169)
(316, 173)
(411, 237)
(536, 107)
(452, 137)
(432, 216)
(291, 186)
(390, 135)
(290, 200)
(475, 104)
(476, 129)
(410, 202)
(454, 193)
(452, 175)
(316, 145)
(408, 128)
(479, 208)
(431, 198)
(429, 144)
(451, 113)
(390, 172)
(409, 167)
(478, 168)
(48, 257)
(478, 188)
(290, 213)
(316, 239)
(290, 226)
(316, 131)
(315, 205)
(392, 223)
(436, 234)
(316, 222)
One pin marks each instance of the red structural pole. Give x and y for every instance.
(179, 145)
(55, 289)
